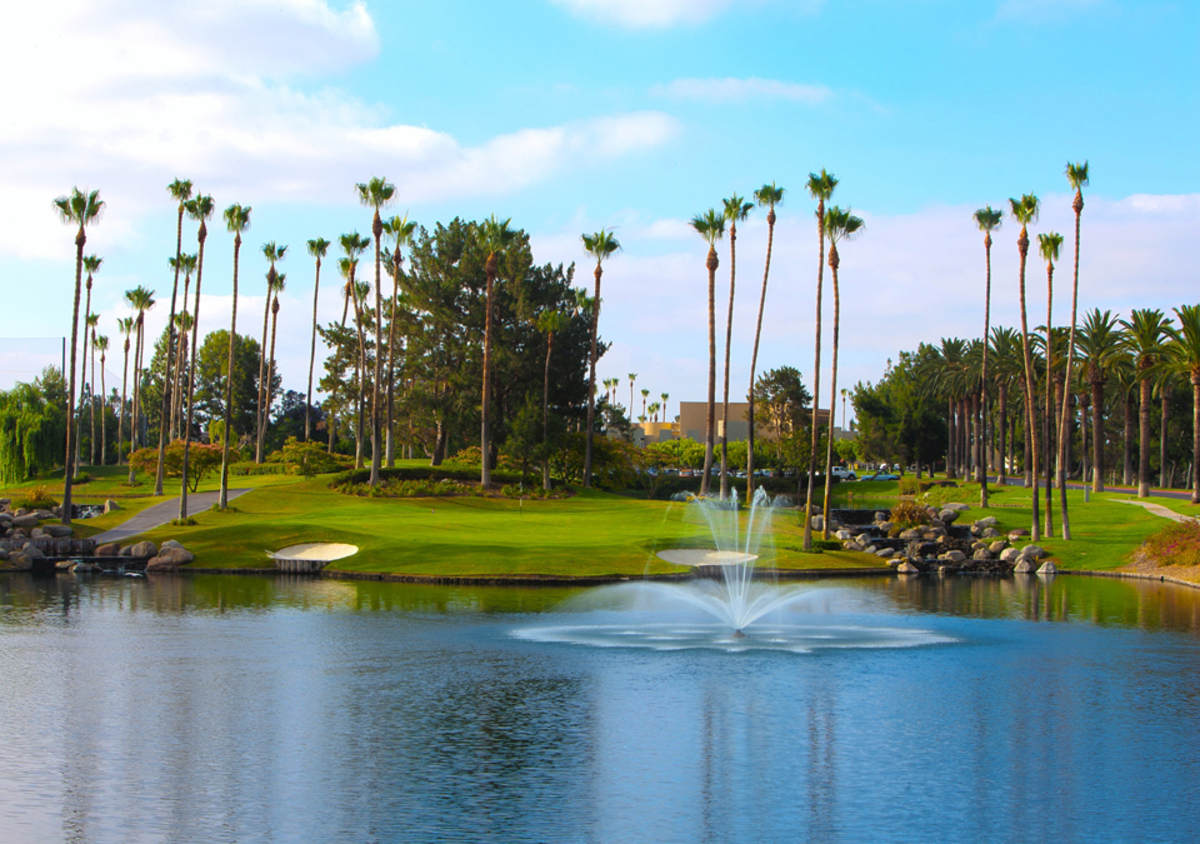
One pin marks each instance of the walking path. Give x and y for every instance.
(1159, 510)
(161, 514)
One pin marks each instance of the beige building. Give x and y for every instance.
(693, 421)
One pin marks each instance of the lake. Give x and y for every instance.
(270, 709)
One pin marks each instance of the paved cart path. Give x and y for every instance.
(161, 514)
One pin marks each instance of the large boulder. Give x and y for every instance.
(990, 533)
(986, 522)
(1017, 533)
(885, 552)
(170, 543)
(142, 549)
(818, 523)
(981, 555)
(955, 556)
(880, 516)
(957, 506)
(111, 505)
(844, 535)
(852, 546)
(59, 531)
(887, 527)
(997, 546)
(169, 559)
(907, 568)
(27, 521)
(947, 516)
(912, 534)
(108, 549)
(1009, 555)
(32, 552)
(1047, 568)
(1023, 566)
(17, 562)
(1034, 552)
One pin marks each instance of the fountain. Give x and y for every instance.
(737, 611)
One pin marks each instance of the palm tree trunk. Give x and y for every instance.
(1195, 436)
(837, 315)
(816, 391)
(92, 404)
(80, 240)
(711, 263)
(1002, 425)
(121, 419)
(376, 416)
(1127, 475)
(1144, 433)
(1049, 403)
(591, 411)
(983, 373)
(87, 311)
(485, 442)
(1030, 412)
(728, 340)
(359, 428)
(1097, 435)
(951, 442)
(762, 301)
(390, 452)
(228, 411)
(1164, 398)
(1064, 438)
(271, 365)
(134, 410)
(103, 427)
(262, 363)
(312, 355)
(191, 377)
(162, 413)
(1083, 441)
(546, 414)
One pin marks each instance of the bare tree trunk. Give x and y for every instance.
(68, 477)
(728, 341)
(227, 415)
(1195, 437)
(546, 413)
(711, 263)
(485, 472)
(834, 261)
(762, 301)
(312, 354)
(1097, 435)
(1164, 392)
(376, 415)
(1144, 433)
(1127, 475)
(816, 391)
(1002, 426)
(591, 408)
(1030, 384)
(162, 414)
(191, 378)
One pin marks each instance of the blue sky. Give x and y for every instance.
(572, 115)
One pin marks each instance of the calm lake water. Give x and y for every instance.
(227, 708)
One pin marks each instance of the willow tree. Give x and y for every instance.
(600, 246)
(33, 428)
(375, 194)
(237, 220)
(711, 226)
(988, 220)
(820, 187)
(78, 209)
(1025, 212)
(767, 196)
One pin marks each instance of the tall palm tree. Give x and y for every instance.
(988, 220)
(187, 264)
(1077, 175)
(89, 341)
(237, 220)
(736, 210)
(353, 245)
(77, 209)
(632, 377)
(1146, 334)
(199, 209)
(1007, 369)
(141, 300)
(664, 397)
(1100, 345)
(375, 194)
(820, 187)
(1183, 356)
(317, 247)
(276, 289)
(710, 226)
(767, 196)
(645, 395)
(840, 224)
(400, 232)
(273, 254)
(1049, 245)
(101, 346)
(1025, 211)
(91, 264)
(600, 246)
(549, 322)
(125, 326)
(495, 235)
(181, 191)
(652, 411)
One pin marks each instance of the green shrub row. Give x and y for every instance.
(249, 467)
(421, 473)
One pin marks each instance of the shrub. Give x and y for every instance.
(355, 477)
(909, 485)
(908, 514)
(249, 467)
(1178, 544)
(37, 498)
(81, 478)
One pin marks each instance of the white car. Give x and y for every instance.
(844, 474)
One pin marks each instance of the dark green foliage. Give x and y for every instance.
(899, 419)
(420, 473)
(32, 428)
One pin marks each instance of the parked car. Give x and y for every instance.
(843, 474)
(882, 475)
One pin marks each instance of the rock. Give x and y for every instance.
(947, 516)
(170, 543)
(84, 568)
(880, 516)
(887, 527)
(171, 558)
(25, 521)
(907, 568)
(986, 522)
(44, 514)
(816, 510)
(945, 570)
(127, 551)
(63, 565)
(885, 552)
(111, 505)
(1023, 566)
(38, 533)
(108, 549)
(59, 531)
(3, 554)
(5, 503)
(870, 549)
(955, 556)
(1034, 552)
(142, 549)
(1017, 533)
(990, 533)
(1009, 555)
(912, 534)
(818, 523)
(863, 539)
(32, 552)
(852, 546)
(997, 546)
(1047, 568)
(981, 555)
(957, 506)
(18, 562)
(844, 535)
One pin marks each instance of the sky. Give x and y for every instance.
(571, 116)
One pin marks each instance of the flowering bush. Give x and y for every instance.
(1178, 544)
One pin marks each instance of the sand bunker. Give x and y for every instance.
(705, 557)
(325, 552)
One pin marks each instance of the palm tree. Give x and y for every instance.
(1049, 245)
(353, 245)
(840, 224)
(768, 196)
(1025, 211)
(988, 220)
(645, 395)
(181, 191)
(736, 209)
(820, 187)
(186, 263)
(273, 254)
(101, 345)
(77, 209)
(600, 246)
(1006, 347)
(1183, 356)
(1100, 345)
(495, 235)
(632, 378)
(711, 227)
(141, 300)
(317, 248)
(652, 410)
(237, 220)
(89, 327)
(375, 194)
(125, 326)
(91, 264)
(276, 289)
(664, 397)
(1077, 175)
(400, 231)
(199, 209)
(549, 322)
(1146, 334)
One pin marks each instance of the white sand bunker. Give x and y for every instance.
(705, 557)
(311, 556)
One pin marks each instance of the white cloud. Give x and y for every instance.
(740, 90)
(1040, 10)
(661, 14)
